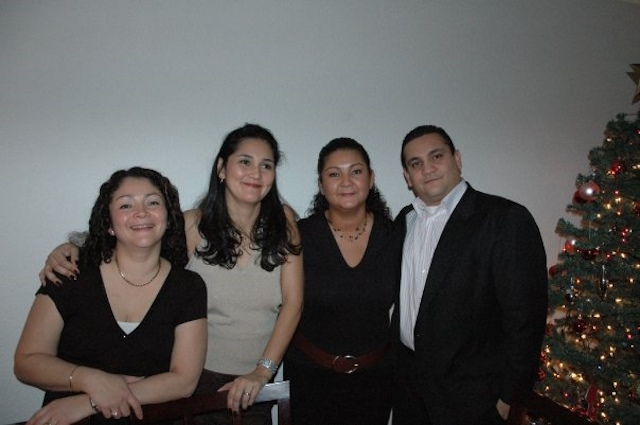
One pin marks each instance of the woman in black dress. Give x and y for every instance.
(338, 362)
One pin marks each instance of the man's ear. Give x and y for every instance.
(406, 178)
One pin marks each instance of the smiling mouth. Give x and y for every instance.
(255, 186)
(142, 227)
(431, 180)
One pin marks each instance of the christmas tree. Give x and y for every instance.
(591, 353)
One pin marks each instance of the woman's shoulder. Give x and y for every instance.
(290, 213)
(71, 295)
(182, 279)
(384, 226)
(185, 275)
(191, 222)
(192, 218)
(311, 221)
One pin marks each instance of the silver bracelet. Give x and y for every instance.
(269, 364)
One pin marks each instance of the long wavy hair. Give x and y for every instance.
(270, 234)
(99, 244)
(375, 201)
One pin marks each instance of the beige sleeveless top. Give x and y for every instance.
(242, 308)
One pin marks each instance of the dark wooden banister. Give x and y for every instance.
(276, 393)
(187, 408)
(538, 406)
(534, 404)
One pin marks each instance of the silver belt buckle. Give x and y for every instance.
(345, 364)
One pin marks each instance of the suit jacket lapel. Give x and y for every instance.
(444, 257)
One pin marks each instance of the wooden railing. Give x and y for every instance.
(537, 406)
(185, 409)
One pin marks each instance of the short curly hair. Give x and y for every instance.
(99, 244)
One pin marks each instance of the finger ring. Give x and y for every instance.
(247, 393)
(114, 413)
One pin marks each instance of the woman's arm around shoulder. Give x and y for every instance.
(63, 260)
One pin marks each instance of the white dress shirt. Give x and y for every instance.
(424, 228)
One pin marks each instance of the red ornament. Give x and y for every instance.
(618, 166)
(553, 270)
(577, 199)
(591, 397)
(570, 246)
(588, 191)
(541, 375)
(589, 254)
(636, 208)
(579, 326)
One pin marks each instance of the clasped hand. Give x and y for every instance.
(243, 390)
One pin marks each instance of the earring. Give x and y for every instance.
(111, 232)
(221, 180)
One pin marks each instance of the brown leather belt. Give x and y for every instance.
(339, 363)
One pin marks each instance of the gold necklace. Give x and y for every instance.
(138, 285)
(352, 238)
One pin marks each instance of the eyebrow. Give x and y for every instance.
(429, 153)
(355, 164)
(146, 195)
(246, 155)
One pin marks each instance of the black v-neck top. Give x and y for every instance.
(92, 337)
(346, 309)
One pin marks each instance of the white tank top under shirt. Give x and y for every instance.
(128, 327)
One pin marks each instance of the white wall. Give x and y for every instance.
(524, 88)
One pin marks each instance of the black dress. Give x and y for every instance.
(92, 337)
(346, 312)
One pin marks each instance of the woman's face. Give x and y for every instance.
(138, 213)
(345, 180)
(249, 172)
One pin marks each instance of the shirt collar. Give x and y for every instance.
(448, 203)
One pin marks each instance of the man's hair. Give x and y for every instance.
(423, 130)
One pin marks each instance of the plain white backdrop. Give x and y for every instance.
(87, 87)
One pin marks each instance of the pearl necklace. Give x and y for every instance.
(138, 285)
(352, 238)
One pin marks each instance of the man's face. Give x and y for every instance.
(430, 169)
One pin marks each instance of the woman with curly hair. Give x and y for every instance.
(245, 244)
(132, 330)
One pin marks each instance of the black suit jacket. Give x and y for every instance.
(482, 315)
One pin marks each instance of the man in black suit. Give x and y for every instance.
(473, 294)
